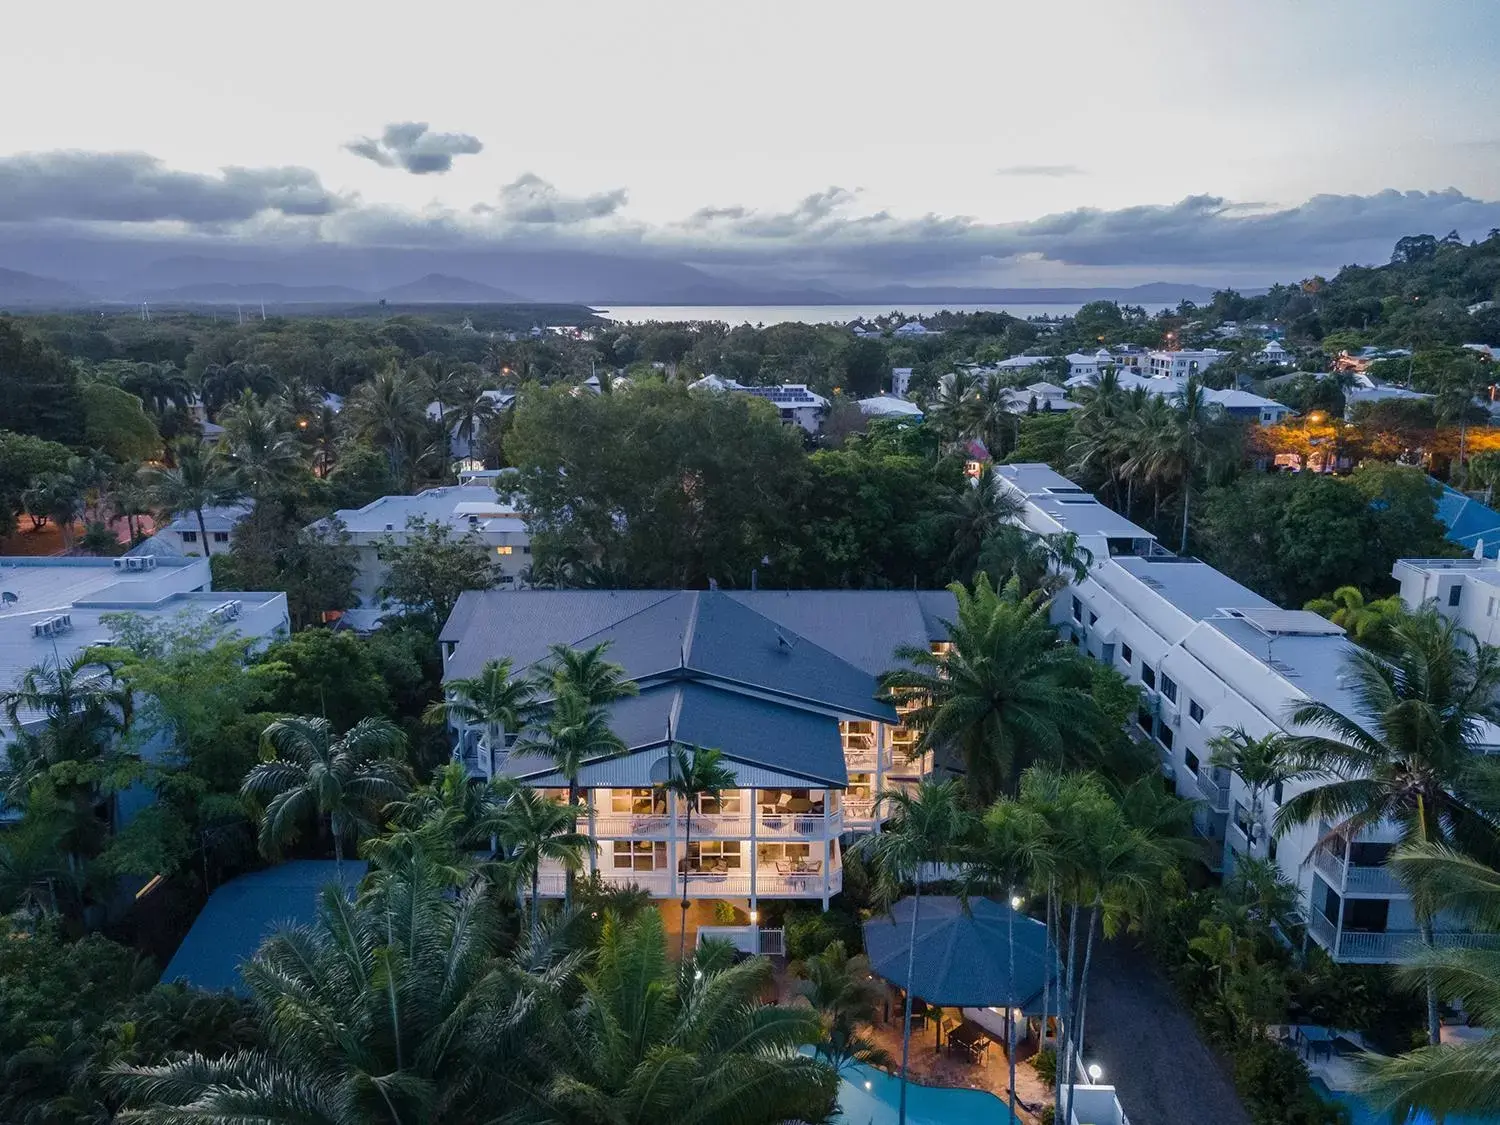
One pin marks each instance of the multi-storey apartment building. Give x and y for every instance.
(783, 683)
(1210, 655)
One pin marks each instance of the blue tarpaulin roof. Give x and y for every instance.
(244, 912)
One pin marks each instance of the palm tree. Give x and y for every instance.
(390, 412)
(306, 772)
(532, 831)
(926, 826)
(1263, 764)
(956, 408)
(691, 774)
(494, 700)
(1009, 851)
(587, 674)
(386, 1011)
(644, 1043)
(472, 408)
(977, 513)
(573, 735)
(841, 989)
(1006, 693)
(199, 479)
(34, 866)
(1195, 433)
(261, 449)
(1451, 1078)
(1367, 622)
(1416, 761)
(161, 386)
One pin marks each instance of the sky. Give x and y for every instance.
(1066, 142)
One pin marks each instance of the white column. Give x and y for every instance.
(882, 741)
(588, 796)
(754, 861)
(827, 851)
(674, 875)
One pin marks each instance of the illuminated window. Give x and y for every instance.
(504, 550)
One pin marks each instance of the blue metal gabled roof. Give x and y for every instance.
(1468, 521)
(244, 912)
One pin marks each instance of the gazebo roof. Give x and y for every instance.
(962, 954)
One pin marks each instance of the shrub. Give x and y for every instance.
(1044, 1062)
(809, 932)
(724, 914)
(1275, 1087)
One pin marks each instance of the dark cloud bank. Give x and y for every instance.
(103, 219)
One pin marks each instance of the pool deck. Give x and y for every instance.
(928, 1066)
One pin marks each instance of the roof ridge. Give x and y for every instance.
(690, 630)
(667, 595)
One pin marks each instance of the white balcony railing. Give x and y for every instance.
(1214, 792)
(1355, 878)
(867, 761)
(1392, 945)
(702, 884)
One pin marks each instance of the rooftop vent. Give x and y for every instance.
(52, 626)
(229, 611)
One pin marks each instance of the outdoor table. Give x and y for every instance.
(1316, 1041)
(970, 1039)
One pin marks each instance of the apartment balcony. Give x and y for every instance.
(859, 813)
(1355, 878)
(807, 880)
(709, 826)
(1215, 792)
(867, 760)
(1357, 947)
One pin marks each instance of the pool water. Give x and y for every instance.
(1361, 1113)
(870, 1097)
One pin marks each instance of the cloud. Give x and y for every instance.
(134, 187)
(413, 146)
(1052, 170)
(532, 200)
(807, 217)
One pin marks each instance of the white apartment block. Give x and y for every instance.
(473, 510)
(1211, 655)
(1464, 590)
(187, 537)
(1181, 364)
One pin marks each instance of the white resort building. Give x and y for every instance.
(1210, 655)
(783, 683)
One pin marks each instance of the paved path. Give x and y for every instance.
(1149, 1047)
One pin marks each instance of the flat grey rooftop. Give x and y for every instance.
(1194, 588)
(451, 504)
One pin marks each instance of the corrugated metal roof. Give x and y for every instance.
(962, 956)
(762, 734)
(863, 627)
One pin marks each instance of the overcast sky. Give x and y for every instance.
(1003, 142)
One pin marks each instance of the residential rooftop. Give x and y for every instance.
(460, 505)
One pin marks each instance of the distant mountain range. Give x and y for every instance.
(333, 275)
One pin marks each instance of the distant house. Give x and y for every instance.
(1380, 393)
(901, 381)
(462, 445)
(1243, 404)
(1273, 352)
(1085, 365)
(915, 328)
(1048, 397)
(476, 510)
(866, 332)
(1023, 362)
(889, 406)
(1181, 364)
(184, 534)
(793, 401)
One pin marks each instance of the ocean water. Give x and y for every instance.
(808, 314)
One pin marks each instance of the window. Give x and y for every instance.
(1164, 733)
(1077, 610)
(1191, 759)
(1126, 655)
(640, 855)
(1195, 712)
(190, 537)
(1454, 595)
(221, 537)
(1276, 793)
(638, 802)
(1143, 720)
(1093, 619)
(726, 802)
(1169, 687)
(1366, 915)
(714, 855)
(504, 549)
(1370, 855)
(1242, 819)
(1490, 609)
(771, 853)
(1148, 675)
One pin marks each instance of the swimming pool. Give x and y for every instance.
(1360, 1112)
(870, 1097)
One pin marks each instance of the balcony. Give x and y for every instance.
(711, 884)
(867, 760)
(1355, 878)
(732, 826)
(1216, 793)
(1356, 947)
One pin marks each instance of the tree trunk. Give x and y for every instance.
(569, 875)
(1010, 996)
(687, 842)
(536, 894)
(1434, 1024)
(1129, 496)
(1065, 1044)
(202, 531)
(1187, 497)
(1083, 990)
(911, 969)
(338, 855)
